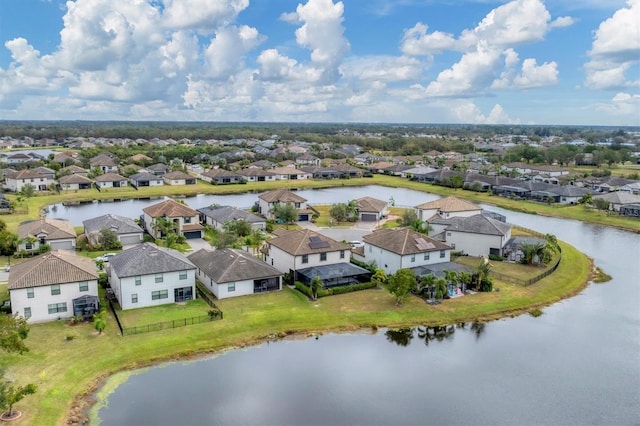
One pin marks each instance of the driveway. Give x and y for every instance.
(199, 243)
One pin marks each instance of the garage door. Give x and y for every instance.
(190, 235)
(130, 239)
(369, 217)
(61, 245)
(303, 218)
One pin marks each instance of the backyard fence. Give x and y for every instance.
(183, 322)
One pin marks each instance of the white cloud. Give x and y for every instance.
(624, 108)
(563, 21)
(225, 54)
(615, 50)
(468, 112)
(203, 15)
(416, 41)
(531, 75)
(383, 68)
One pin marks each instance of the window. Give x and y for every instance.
(27, 312)
(160, 294)
(183, 275)
(84, 286)
(341, 254)
(441, 254)
(297, 205)
(30, 294)
(138, 280)
(134, 298)
(28, 246)
(426, 256)
(305, 258)
(231, 287)
(55, 308)
(448, 234)
(55, 289)
(159, 278)
(413, 258)
(187, 220)
(323, 257)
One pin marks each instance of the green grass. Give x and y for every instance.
(66, 369)
(515, 270)
(35, 204)
(163, 313)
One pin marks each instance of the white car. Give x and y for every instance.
(356, 244)
(105, 257)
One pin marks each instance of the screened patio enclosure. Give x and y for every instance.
(334, 275)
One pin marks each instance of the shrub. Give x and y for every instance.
(70, 337)
(496, 257)
(103, 281)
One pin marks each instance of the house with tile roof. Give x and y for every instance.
(111, 180)
(16, 181)
(477, 235)
(44, 288)
(230, 272)
(105, 161)
(126, 229)
(268, 200)
(142, 179)
(217, 216)
(59, 234)
(396, 248)
(221, 177)
(257, 175)
(75, 182)
(447, 207)
(75, 170)
(148, 275)
(618, 199)
(186, 220)
(178, 178)
(305, 254)
(290, 173)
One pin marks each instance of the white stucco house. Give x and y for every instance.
(126, 229)
(43, 288)
(16, 181)
(186, 220)
(217, 216)
(148, 275)
(229, 273)
(477, 235)
(270, 199)
(372, 209)
(59, 234)
(393, 249)
(111, 180)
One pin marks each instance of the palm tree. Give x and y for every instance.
(163, 226)
(315, 284)
(530, 252)
(428, 282)
(352, 210)
(482, 271)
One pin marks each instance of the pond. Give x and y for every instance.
(575, 364)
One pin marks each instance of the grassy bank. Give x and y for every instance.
(31, 208)
(64, 369)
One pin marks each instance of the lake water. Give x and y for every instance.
(578, 363)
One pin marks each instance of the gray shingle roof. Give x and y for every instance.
(54, 228)
(298, 242)
(370, 204)
(118, 224)
(229, 265)
(56, 267)
(148, 258)
(479, 224)
(224, 214)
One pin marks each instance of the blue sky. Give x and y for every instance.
(566, 62)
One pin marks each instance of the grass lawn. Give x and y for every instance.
(64, 369)
(163, 313)
(515, 270)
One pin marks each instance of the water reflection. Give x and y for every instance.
(404, 336)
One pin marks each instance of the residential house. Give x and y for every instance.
(268, 200)
(447, 207)
(217, 216)
(143, 179)
(186, 220)
(221, 176)
(371, 209)
(20, 158)
(392, 249)
(105, 161)
(126, 229)
(618, 199)
(159, 169)
(71, 182)
(227, 273)
(148, 275)
(633, 188)
(477, 235)
(59, 234)
(178, 178)
(15, 182)
(111, 180)
(75, 170)
(45, 287)
(569, 194)
(305, 254)
(290, 173)
(257, 175)
(308, 160)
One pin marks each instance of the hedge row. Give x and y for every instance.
(303, 288)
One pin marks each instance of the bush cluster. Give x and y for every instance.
(305, 289)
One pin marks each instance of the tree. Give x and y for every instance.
(13, 330)
(428, 284)
(339, 212)
(531, 253)
(482, 271)
(28, 191)
(240, 227)
(286, 213)
(110, 239)
(352, 210)
(163, 226)
(457, 181)
(586, 199)
(100, 321)
(11, 395)
(379, 277)
(316, 285)
(225, 239)
(401, 283)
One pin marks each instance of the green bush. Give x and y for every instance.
(496, 257)
(335, 290)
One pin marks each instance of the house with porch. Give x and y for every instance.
(59, 234)
(447, 207)
(111, 180)
(257, 175)
(178, 178)
(372, 209)
(305, 254)
(221, 177)
(46, 287)
(268, 200)
(148, 275)
(396, 248)
(15, 182)
(142, 179)
(185, 219)
(126, 229)
(75, 182)
(477, 235)
(106, 162)
(229, 272)
(217, 216)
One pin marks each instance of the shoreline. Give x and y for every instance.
(86, 405)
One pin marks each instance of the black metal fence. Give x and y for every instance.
(183, 322)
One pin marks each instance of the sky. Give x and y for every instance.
(548, 62)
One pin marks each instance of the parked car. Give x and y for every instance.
(105, 257)
(356, 244)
